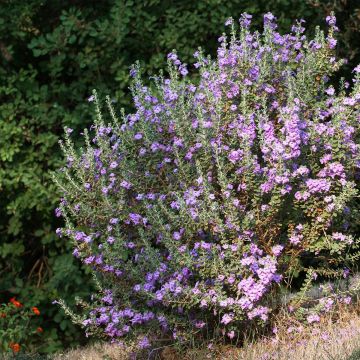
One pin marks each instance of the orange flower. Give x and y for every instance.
(15, 302)
(39, 329)
(15, 347)
(35, 310)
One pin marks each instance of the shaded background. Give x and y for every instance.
(52, 54)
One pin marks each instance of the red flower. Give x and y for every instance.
(15, 347)
(39, 329)
(16, 303)
(2, 315)
(35, 310)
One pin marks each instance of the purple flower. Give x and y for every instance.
(245, 20)
(125, 184)
(330, 91)
(110, 240)
(269, 20)
(144, 343)
(313, 318)
(331, 20)
(200, 324)
(332, 42)
(317, 185)
(183, 70)
(259, 311)
(277, 249)
(108, 298)
(227, 318)
(89, 260)
(235, 155)
(133, 72)
(229, 21)
(296, 239)
(231, 334)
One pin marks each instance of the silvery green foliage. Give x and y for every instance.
(195, 209)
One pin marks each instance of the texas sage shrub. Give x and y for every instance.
(195, 210)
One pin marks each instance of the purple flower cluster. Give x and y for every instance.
(195, 208)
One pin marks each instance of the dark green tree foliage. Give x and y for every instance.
(52, 53)
(348, 17)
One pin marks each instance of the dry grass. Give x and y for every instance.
(327, 340)
(95, 352)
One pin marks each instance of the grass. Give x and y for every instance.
(336, 337)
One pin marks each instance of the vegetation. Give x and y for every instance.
(195, 211)
(52, 53)
(19, 322)
(336, 337)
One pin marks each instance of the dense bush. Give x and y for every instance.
(198, 208)
(51, 55)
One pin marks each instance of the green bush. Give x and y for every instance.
(355, 355)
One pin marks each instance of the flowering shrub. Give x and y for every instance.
(196, 209)
(18, 327)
